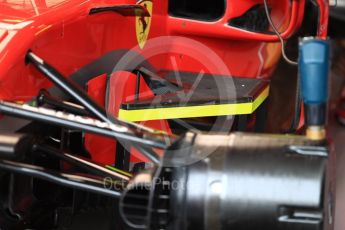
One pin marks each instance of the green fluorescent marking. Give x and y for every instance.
(118, 170)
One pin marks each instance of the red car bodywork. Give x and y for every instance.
(65, 34)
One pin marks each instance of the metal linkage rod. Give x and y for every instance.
(79, 94)
(90, 105)
(151, 155)
(86, 124)
(68, 86)
(68, 180)
(44, 98)
(85, 164)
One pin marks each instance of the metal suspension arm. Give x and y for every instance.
(86, 124)
(68, 180)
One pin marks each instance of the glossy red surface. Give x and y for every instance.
(64, 34)
(121, 89)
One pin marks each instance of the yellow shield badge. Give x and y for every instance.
(143, 23)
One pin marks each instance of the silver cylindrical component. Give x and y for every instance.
(249, 182)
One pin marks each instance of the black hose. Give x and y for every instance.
(297, 113)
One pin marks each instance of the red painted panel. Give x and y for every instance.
(64, 34)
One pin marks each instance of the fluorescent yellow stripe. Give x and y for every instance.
(118, 170)
(261, 98)
(194, 111)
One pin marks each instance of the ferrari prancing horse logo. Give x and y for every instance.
(143, 24)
